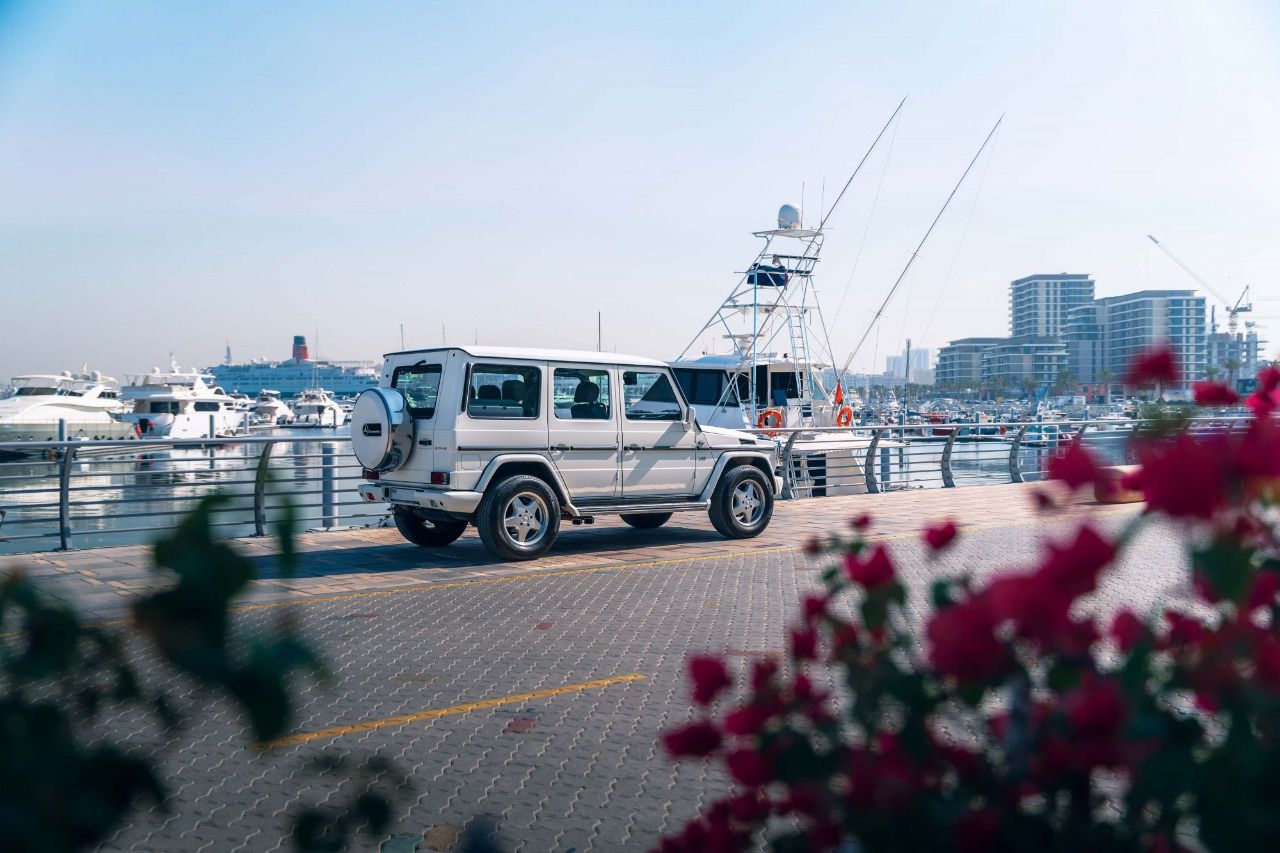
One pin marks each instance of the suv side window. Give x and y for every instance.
(420, 385)
(581, 393)
(503, 391)
(647, 395)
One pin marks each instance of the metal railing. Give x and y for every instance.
(874, 459)
(64, 494)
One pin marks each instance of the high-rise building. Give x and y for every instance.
(960, 362)
(1039, 305)
(1104, 336)
(1030, 360)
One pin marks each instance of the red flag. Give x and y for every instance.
(839, 394)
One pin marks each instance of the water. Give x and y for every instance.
(130, 496)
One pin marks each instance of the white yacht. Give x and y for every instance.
(81, 403)
(314, 407)
(180, 404)
(268, 408)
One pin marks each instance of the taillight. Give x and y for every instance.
(369, 475)
(439, 478)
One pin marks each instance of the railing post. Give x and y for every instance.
(1015, 470)
(788, 471)
(64, 498)
(948, 481)
(327, 513)
(260, 491)
(868, 465)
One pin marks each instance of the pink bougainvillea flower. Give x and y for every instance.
(860, 522)
(1266, 399)
(693, 740)
(709, 676)
(1214, 394)
(748, 767)
(1076, 466)
(1155, 365)
(1182, 478)
(875, 570)
(815, 607)
(939, 536)
(1263, 592)
(1127, 629)
(963, 643)
(804, 643)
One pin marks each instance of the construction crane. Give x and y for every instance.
(1233, 311)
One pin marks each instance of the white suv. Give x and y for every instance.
(511, 440)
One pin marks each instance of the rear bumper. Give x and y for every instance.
(459, 502)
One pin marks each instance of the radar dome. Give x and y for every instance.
(788, 217)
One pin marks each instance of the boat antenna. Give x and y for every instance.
(910, 261)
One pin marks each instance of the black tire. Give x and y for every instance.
(646, 520)
(751, 517)
(519, 505)
(426, 532)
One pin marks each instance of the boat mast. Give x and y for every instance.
(888, 297)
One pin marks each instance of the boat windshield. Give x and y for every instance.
(36, 392)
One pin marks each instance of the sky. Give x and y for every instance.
(177, 177)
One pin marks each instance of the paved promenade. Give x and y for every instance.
(534, 693)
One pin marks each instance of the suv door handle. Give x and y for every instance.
(561, 447)
(634, 447)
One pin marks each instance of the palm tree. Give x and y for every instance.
(1064, 383)
(1029, 385)
(1105, 376)
(1232, 365)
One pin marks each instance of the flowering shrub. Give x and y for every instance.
(1019, 722)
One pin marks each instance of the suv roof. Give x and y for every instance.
(536, 354)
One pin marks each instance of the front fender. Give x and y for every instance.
(735, 457)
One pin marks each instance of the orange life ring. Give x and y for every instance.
(844, 417)
(762, 422)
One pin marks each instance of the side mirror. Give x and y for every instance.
(687, 419)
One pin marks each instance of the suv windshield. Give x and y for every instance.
(420, 385)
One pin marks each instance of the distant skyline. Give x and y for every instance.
(180, 177)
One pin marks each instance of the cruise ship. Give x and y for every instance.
(297, 374)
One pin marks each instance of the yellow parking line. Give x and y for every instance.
(450, 711)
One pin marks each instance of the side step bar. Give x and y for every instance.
(651, 506)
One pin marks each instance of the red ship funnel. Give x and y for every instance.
(300, 352)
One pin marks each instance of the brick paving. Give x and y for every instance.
(434, 653)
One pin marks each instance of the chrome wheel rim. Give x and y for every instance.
(748, 503)
(525, 519)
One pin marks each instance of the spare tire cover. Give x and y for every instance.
(381, 429)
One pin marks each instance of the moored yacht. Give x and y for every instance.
(180, 404)
(314, 407)
(78, 405)
(268, 408)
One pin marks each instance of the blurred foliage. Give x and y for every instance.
(67, 781)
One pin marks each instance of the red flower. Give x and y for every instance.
(1265, 587)
(709, 676)
(1183, 479)
(1043, 500)
(1214, 394)
(750, 719)
(762, 673)
(1183, 630)
(1076, 466)
(874, 571)
(748, 767)
(963, 643)
(1127, 629)
(695, 740)
(1074, 569)
(812, 546)
(804, 643)
(1266, 399)
(1154, 365)
(860, 522)
(815, 607)
(1097, 709)
(939, 536)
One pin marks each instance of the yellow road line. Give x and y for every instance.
(450, 711)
